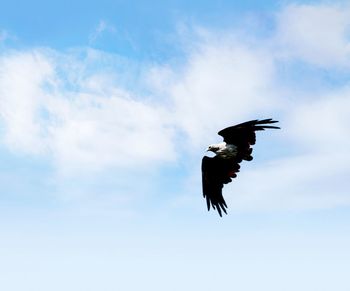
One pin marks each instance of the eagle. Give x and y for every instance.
(220, 169)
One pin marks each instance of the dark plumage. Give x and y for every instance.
(224, 166)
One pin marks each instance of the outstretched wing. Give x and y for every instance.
(245, 132)
(243, 136)
(215, 173)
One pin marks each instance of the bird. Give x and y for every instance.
(224, 166)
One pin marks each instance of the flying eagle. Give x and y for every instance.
(224, 166)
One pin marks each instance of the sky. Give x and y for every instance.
(106, 109)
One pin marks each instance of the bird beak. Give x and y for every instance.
(207, 150)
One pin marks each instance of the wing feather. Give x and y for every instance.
(215, 173)
(244, 133)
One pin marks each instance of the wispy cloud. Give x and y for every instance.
(3, 35)
(102, 27)
(6, 36)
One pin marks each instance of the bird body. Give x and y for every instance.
(224, 166)
(223, 150)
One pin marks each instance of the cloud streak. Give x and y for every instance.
(102, 27)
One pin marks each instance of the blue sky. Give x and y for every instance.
(106, 109)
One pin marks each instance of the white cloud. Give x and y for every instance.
(21, 76)
(111, 132)
(318, 34)
(82, 127)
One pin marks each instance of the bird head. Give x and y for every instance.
(213, 148)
